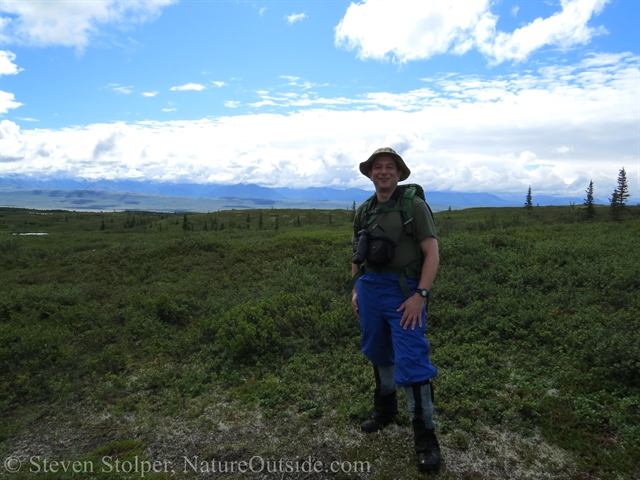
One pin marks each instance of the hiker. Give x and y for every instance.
(394, 264)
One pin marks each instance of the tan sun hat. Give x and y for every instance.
(365, 167)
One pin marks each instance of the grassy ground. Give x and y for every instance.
(187, 341)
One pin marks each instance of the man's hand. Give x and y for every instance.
(354, 304)
(412, 308)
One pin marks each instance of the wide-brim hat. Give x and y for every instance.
(365, 167)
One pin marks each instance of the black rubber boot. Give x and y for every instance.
(427, 447)
(420, 403)
(385, 408)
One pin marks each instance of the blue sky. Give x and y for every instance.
(476, 95)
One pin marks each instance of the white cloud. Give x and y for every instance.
(563, 29)
(262, 10)
(218, 83)
(169, 109)
(417, 30)
(295, 17)
(189, 86)
(149, 94)
(465, 133)
(7, 102)
(71, 24)
(120, 88)
(514, 10)
(232, 104)
(563, 149)
(27, 119)
(7, 67)
(293, 81)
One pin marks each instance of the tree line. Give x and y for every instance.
(618, 200)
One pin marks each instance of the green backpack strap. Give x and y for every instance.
(412, 190)
(407, 208)
(352, 283)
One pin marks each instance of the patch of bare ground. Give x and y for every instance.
(213, 434)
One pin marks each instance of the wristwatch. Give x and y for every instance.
(424, 293)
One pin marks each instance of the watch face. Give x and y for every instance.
(424, 293)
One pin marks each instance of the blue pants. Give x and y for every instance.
(384, 342)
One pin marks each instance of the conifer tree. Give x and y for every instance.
(260, 222)
(102, 227)
(589, 210)
(615, 209)
(185, 223)
(619, 196)
(529, 201)
(623, 188)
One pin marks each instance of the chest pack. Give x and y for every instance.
(378, 250)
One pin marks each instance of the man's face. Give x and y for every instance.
(384, 173)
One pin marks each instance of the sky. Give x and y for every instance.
(476, 95)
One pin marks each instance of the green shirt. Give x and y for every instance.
(390, 224)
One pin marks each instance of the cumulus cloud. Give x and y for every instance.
(169, 109)
(71, 24)
(7, 102)
(149, 94)
(218, 83)
(295, 17)
(417, 30)
(563, 29)
(7, 67)
(189, 86)
(462, 133)
(106, 145)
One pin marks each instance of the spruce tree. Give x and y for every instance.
(260, 222)
(589, 210)
(615, 210)
(619, 196)
(185, 223)
(529, 201)
(623, 188)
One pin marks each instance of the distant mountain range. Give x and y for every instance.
(17, 191)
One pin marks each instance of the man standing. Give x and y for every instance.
(391, 287)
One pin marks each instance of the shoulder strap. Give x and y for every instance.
(409, 192)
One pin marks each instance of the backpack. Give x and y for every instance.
(401, 202)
